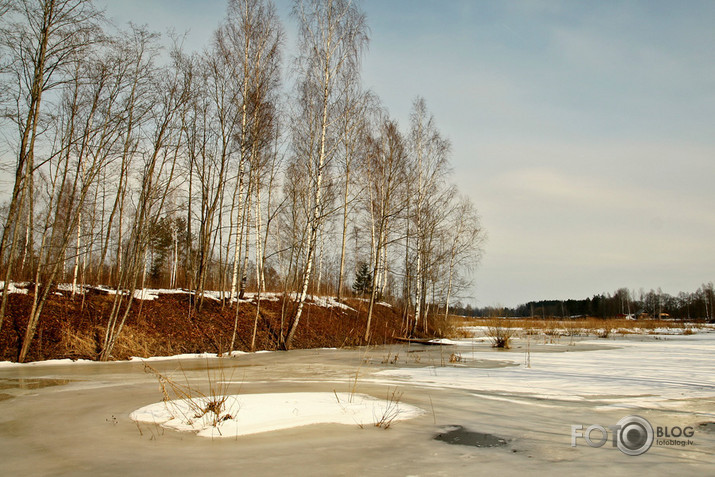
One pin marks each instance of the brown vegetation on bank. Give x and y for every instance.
(578, 326)
(171, 324)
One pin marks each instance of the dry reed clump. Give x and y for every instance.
(500, 333)
(391, 411)
(553, 328)
(391, 358)
(210, 404)
(451, 326)
(456, 358)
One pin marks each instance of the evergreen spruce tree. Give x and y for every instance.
(363, 280)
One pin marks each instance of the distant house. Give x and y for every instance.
(643, 315)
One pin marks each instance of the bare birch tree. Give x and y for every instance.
(429, 156)
(131, 56)
(386, 167)
(87, 133)
(333, 35)
(355, 106)
(464, 241)
(41, 37)
(171, 89)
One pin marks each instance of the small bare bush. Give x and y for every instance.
(391, 411)
(455, 358)
(211, 404)
(499, 333)
(391, 358)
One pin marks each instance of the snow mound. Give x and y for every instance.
(330, 302)
(247, 414)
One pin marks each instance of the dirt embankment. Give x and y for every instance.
(172, 324)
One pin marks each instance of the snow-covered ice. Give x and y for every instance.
(254, 413)
(633, 372)
(78, 415)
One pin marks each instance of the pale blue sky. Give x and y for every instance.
(582, 130)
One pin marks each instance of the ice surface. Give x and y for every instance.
(83, 427)
(639, 371)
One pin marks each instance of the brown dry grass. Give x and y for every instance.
(69, 330)
(580, 326)
(78, 342)
(133, 341)
(447, 327)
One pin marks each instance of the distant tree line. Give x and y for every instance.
(137, 165)
(697, 305)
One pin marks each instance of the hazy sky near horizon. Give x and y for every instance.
(584, 131)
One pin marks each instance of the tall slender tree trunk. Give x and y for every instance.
(25, 163)
(345, 227)
(77, 255)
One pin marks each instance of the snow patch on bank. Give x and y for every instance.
(48, 362)
(19, 288)
(191, 356)
(150, 294)
(67, 361)
(254, 413)
(330, 302)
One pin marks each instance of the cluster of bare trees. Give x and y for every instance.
(136, 165)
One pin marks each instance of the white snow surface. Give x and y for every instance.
(18, 287)
(149, 294)
(330, 302)
(633, 372)
(47, 362)
(67, 361)
(188, 356)
(246, 414)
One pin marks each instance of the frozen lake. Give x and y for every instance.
(518, 406)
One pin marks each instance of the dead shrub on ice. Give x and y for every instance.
(499, 333)
(193, 404)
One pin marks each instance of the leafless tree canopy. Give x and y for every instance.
(134, 164)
